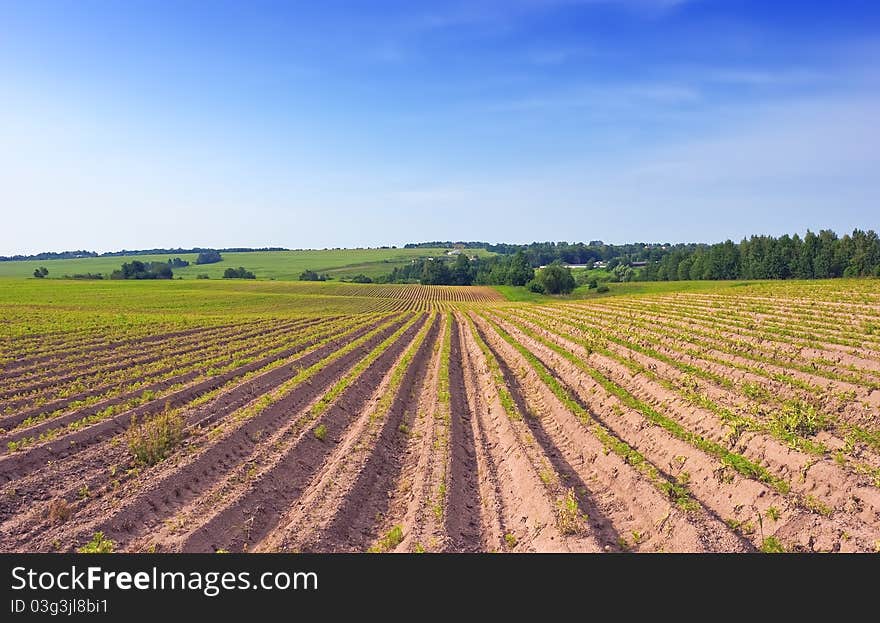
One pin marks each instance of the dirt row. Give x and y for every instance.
(148, 491)
(19, 463)
(854, 403)
(107, 465)
(851, 496)
(477, 429)
(160, 379)
(99, 345)
(85, 360)
(103, 377)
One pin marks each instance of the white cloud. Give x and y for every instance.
(606, 98)
(796, 164)
(759, 77)
(435, 195)
(471, 13)
(555, 55)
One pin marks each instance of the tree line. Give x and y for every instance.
(71, 255)
(820, 255)
(512, 270)
(813, 256)
(143, 270)
(463, 271)
(585, 253)
(209, 257)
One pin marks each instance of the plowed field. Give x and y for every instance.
(418, 418)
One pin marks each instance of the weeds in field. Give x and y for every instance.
(773, 513)
(754, 391)
(743, 527)
(815, 505)
(153, 439)
(389, 541)
(510, 540)
(98, 545)
(568, 514)
(320, 432)
(799, 418)
(772, 545)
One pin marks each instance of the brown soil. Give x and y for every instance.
(507, 453)
(122, 361)
(463, 498)
(19, 417)
(200, 418)
(253, 515)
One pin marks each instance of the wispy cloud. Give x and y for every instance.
(606, 97)
(808, 139)
(400, 37)
(390, 52)
(649, 5)
(430, 195)
(471, 13)
(555, 55)
(804, 162)
(761, 77)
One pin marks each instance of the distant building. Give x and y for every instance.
(600, 264)
(637, 264)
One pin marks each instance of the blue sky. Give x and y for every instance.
(141, 124)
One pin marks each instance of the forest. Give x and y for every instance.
(811, 256)
(815, 256)
(512, 270)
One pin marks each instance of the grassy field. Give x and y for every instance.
(521, 294)
(280, 265)
(657, 287)
(599, 274)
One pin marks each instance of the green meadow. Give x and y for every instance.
(280, 265)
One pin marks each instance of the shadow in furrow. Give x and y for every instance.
(603, 529)
(253, 516)
(354, 526)
(463, 525)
